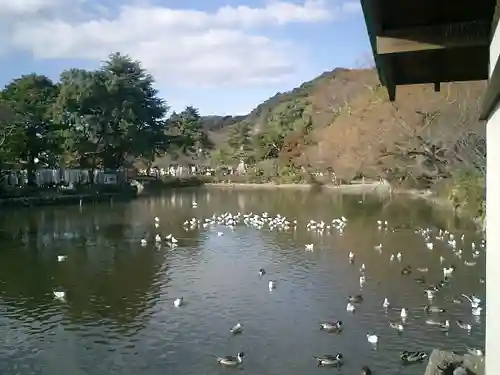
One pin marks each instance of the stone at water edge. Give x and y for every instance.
(473, 363)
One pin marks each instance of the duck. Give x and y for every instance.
(404, 313)
(62, 258)
(365, 370)
(399, 256)
(351, 257)
(362, 280)
(397, 326)
(422, 269)
(144, 242)
(350, 307)
(431, 293)
(474, 300)
(230, 360)
(331, 326)
(386, 303)
(412, 357)
(406, 270)
(59, 295)
(448, 271)
(238, 328)
(362, 269)
(356, 298)
(329, 360)
(476, 311)
(272, 285)
(372, 339)
(445, 327)
(433, 309)
(309, 247)
(262, 272)
(475, 351)
(464, 325)
(178, 301)
(158, 238)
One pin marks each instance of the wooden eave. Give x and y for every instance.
(429, 41)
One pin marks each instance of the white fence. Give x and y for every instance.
(64, 176)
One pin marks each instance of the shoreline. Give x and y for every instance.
(62, 199)
(358, 188)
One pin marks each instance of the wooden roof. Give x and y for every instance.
(429, 41)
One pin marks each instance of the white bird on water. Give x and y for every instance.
(62, 258)
(59, 295)
(372, 339)
(386, 303)
(179, 301)
(272, 285)
(310, 247)
(350, 307)
(404, 313)
(351, 256)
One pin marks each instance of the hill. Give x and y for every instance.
(343, 121)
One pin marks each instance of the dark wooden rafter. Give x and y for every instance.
(435, 37)
(430, 41)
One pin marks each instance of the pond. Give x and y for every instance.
(118, 314)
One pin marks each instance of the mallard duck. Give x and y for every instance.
(329, 360)
(178, 301)
(464, 325)
(356, 299)
(262, 272)
(331, 326)
(238, 328)
(365, 370)
(433, 309)
(413, 357)
(397, 326)
(230, 360)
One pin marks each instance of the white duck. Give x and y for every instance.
(178, 301)
(272, 285)
(386, 303)
(62, 258)
(372, 339)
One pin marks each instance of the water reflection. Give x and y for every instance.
(119, 318)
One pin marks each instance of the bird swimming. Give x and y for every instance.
(230, 360)
(262, 272)
(413, 357)
(178, 301)
(237, 328)
(329, 360)
(331, 326)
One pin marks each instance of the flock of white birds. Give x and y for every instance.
(281, 223)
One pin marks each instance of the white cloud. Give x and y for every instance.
(179, 46)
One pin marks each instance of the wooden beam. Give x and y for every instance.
(435, 37)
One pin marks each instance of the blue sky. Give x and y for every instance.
(222, 56)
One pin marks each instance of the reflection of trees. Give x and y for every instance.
(106, 276)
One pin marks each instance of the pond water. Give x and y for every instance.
(118, 315)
